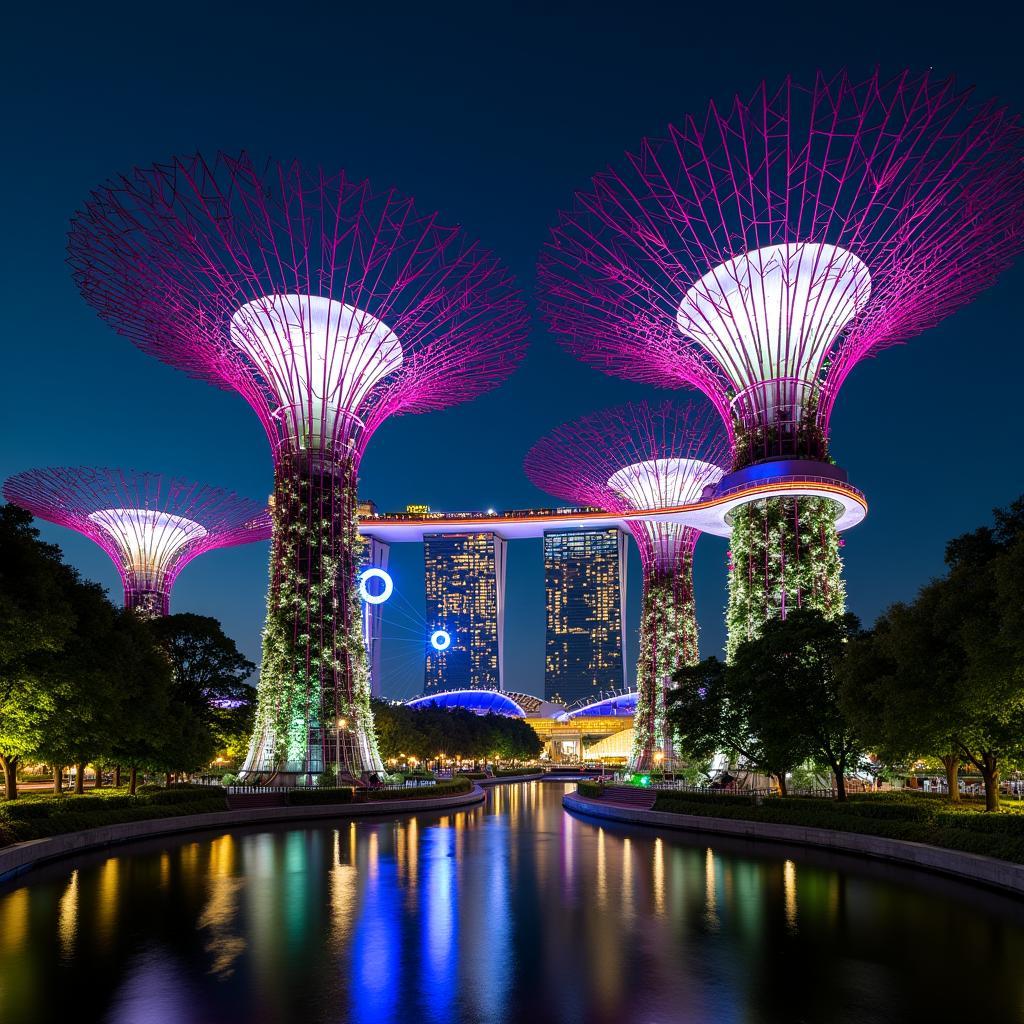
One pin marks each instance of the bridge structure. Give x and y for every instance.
(712, 514)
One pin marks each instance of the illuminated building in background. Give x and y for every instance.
(635, 458)
(375, 556)
(465, 591)
(585, 590)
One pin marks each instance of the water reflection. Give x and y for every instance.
(510, 912)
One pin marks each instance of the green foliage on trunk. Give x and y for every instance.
(668, 639)
(784, 555)
(315, 670)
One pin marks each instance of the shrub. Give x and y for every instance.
(21, 810)
(326, 795)
(975, 821)
(594, 790)
(460, 784)
(72, 814)
(897, 811)
(182, 795)
(667, 798)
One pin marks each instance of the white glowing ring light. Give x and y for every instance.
(440, 640)
(375, 574)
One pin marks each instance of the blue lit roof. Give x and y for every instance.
(622, 705)
(480, 702)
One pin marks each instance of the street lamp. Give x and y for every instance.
(341, 723)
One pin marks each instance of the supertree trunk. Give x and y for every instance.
(784, 554)
(314, 695)
(668, 640)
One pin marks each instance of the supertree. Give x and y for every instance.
(151, 526)
(642, 456)
(329, 307)
(759, 251)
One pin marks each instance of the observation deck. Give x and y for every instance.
(790, 479)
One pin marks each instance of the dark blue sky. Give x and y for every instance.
(494, 117)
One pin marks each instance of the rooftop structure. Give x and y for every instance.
(151, 526)
(479, 701)
(760, 250)
(603, 726)
(329, 306)
(641, 457)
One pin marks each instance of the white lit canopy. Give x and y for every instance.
(664, 483)
(321, 358)
(771, 316)
(148, 541)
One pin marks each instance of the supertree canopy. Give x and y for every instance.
(759, 252)
(329, 307)
(644, 457)
(151, 526)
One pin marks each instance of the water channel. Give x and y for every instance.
(514, 911)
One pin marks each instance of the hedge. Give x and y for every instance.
(327, 795)
(460, 784)
(34, 817)
(927, 821)
(595, 790)
(347, 794)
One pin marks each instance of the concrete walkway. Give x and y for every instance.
(971, 867)
(21, 857)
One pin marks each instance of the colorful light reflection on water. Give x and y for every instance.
(510, 912)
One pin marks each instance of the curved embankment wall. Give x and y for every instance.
(21, 857)
(971, 867)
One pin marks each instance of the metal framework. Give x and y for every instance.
(151, 526)
(329, 306)
(643, 456)
(759, 251)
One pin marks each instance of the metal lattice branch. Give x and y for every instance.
(637, 456)
(151, 526)
(328, 305)
(760, 251)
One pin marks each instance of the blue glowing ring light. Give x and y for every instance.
(375, 574)
(440, 640)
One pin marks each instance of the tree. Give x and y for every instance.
(77, 725)
(36, 620)
(950, 681)
(146, 715)
(210, 675)
(894, 684)
(396, 733)
(789, 678)
(711, 711)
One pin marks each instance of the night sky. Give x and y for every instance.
(494, 118)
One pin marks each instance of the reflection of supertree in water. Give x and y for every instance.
(329, 307)
(760, 251)
(151, 526)
(644, 457)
